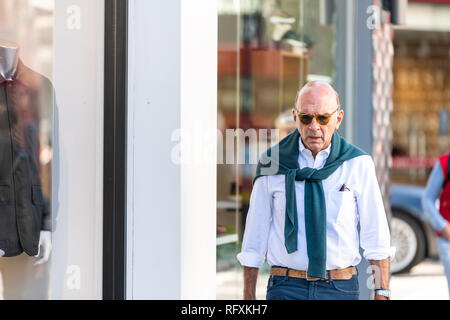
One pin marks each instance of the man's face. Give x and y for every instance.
(318, 101)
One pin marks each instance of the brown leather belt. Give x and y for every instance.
(336, 274)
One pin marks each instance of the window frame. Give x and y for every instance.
(115, 150)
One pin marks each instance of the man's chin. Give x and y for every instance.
(314, 147)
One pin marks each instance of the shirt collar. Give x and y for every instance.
(325, 152)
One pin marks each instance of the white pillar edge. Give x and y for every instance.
(199, 121)
(171, 208)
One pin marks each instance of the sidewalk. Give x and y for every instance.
(426, 281)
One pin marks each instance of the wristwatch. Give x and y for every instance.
(383, 292)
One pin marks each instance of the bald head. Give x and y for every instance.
(317, 90)
(317, 98)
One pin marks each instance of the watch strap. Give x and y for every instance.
(383, 292)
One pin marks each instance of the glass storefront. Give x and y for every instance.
(26, 109)
(422, 103)
(267, 50)
(51, 120)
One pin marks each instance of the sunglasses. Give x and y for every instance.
(322, 119)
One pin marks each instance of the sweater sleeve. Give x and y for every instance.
(430, 196)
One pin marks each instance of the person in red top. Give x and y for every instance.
(438, 187)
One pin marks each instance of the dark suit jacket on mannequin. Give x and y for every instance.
(24, 211)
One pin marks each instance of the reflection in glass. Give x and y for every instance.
(26, 116)
(267, 50)
(421, 104)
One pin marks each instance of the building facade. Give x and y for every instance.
(147, 146)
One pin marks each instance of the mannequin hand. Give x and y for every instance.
(45, 241)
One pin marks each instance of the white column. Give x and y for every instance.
(172, 94)
(77, 172)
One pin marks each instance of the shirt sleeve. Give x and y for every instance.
(375, 239)
(430, 196)
(257, 226)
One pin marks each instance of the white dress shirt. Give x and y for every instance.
(264, 230)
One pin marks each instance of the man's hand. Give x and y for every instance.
(445, 232)
(250, 277)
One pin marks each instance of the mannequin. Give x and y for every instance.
(14, 77)
(9, 59)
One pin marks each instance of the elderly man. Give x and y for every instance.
(304, 215)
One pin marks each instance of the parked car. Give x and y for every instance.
(411, 231)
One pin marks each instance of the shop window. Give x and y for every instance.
(421, 104)
(267, 51)
(51, 90)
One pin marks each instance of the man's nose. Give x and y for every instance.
(314, 125)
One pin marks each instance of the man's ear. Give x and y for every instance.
(339, 118)
(294, 114)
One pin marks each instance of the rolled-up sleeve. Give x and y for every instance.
(375, 239)
(257, 226)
